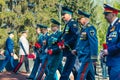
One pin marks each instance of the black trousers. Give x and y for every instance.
(23, 58)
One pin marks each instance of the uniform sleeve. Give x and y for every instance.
(10, 45)
(93, 41)
(56, 50)
(75, 32)
(115, 49)
(40, 39)
(77, 45)
(112, 50)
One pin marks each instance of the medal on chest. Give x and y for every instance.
(83, 36)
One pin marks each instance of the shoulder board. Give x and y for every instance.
(119, 21)
(88, 25)
(49, 34)
(72, 20)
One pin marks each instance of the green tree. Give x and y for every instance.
(44, 10)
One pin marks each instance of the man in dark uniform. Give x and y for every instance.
(48, 59)
(55, 56)
(44, 31)
(70, 37)
(87, 48)
(113, 42)
(37, 50)
(9, 46)
(43, 55)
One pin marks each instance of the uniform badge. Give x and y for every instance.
(92, 32)
(74, 25)
(112, 29)
(84, 33)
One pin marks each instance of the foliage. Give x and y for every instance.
(2, 2)
(2, 37)
(44, 10)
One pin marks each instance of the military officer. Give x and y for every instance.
(44, 31)
(55, 57)
(113, 42)
(87, 47)
(43, 55)
(37, 49)
(70, 37)
(48, 59)
(9, 46)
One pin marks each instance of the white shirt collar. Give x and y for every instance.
(114, 21)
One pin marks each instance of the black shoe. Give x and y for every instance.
(28, 72)
(16, 73)
(96, 74)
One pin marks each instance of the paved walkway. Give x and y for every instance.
(12, 76)
(22, 75)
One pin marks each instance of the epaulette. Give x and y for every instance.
(88, 25)
(72, 20)
(119, 21)
(49, 34)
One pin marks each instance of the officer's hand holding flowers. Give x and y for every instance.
(103, 53)
(12, 54)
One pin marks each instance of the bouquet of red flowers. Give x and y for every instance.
(37, 45)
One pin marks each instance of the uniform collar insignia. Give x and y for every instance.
(112, 29)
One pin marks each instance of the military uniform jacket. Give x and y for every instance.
(44, 37)
(113, 43)
(87, 46)
(52, 42)
(71, 33)
(9, 46)
(39, 40)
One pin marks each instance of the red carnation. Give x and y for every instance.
(50, 51)
(105, 46)
(61, 44)
(37, 45)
